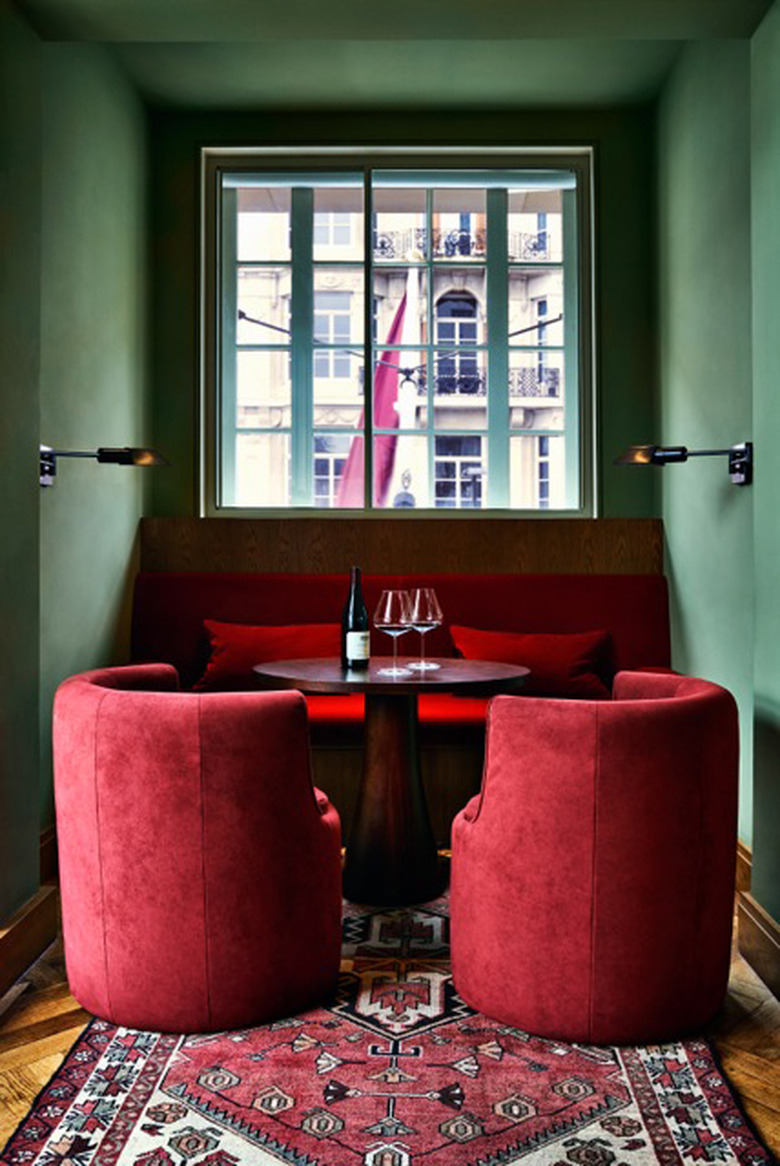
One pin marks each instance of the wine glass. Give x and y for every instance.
(426, 614)
(392, 616)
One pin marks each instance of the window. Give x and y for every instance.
(456, 327)
(330, 456)
(332, 227)
(436, 360)
(459, 472)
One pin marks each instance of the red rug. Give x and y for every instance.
(396, 1072)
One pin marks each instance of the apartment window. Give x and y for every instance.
(332, 326)
(543, 473)
(459, 472)
(429, 365)
(456, 329)
(330, 456)
(332, 227)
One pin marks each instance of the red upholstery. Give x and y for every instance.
(170, 608)
(200, 872)
(593, 877)
(236, 648)
(574, 664)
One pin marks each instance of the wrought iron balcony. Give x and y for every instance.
(531, 245)
(534, 382)
(455, 244)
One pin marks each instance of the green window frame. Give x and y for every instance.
(503, 354)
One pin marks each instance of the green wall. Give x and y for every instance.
(766, 410)
(705, 369)
(19, 288)
(624, 201)
(93, 360)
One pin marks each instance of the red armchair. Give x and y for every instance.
(200, 870)
(593, 877)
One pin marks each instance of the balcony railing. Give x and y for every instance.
(455, 244)
(543, 384)
(534, 382)
(533, 246)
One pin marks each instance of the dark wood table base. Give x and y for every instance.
(391, 851)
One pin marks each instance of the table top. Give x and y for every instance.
(471, 677)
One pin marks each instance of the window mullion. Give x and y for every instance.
(497, 277)
(302, 345)
(226, 470)
(368, 340)
(571, 394)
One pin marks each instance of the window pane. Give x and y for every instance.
(459, 224)
(263, 305)
(263, 226)
(460, 390)
(338, 305)
(338, 388)
(399, 230)
(330, 458)
(536, 390)
(263, 390)
(400, 388)
(535, 224)
(404, 483)
(535, 305)
(262, 469)
(391, 284)
(459, 299)
(460, 469)
(338, 223)
(537, 473)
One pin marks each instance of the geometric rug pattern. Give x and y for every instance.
(396, 1071)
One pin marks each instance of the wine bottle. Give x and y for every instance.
(354, 626)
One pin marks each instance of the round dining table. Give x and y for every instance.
(391, 853)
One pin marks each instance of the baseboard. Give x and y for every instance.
(49, 860)
(27, 934)
(744, 866)
(759, 940)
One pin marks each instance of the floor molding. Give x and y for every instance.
(27, 934)
(759, 940)
(744, 866)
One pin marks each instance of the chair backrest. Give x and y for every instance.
(616, 821)
(176, 813)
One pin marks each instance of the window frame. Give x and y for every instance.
(217, 329)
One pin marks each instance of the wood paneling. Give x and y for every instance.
(611, 546)
(759, 940)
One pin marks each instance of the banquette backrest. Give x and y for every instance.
(169, 609)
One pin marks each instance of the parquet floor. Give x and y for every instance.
(40, 1020)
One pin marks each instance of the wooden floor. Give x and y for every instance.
(40, 1020)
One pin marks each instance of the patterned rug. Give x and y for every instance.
(398, 1071)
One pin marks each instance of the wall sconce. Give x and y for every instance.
(122, 456)
(740, 458)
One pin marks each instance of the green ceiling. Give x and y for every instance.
(469, 53)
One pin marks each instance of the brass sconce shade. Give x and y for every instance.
(740, 458)
(125, 455)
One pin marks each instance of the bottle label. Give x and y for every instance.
(357, 645)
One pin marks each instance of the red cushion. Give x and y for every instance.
(575, 664)
(236, 648)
